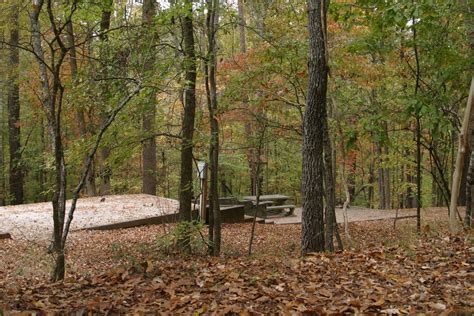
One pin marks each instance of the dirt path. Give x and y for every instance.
(354, 214)
(33, 221)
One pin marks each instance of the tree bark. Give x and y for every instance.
(13, 105)
(105, 170)
(330, 190)
(149, 182)
(3, 101)
(186, 173)
(51, 99)
(469, 190)
(241, 12)
(312, 231)
(211, 89)
(468, 9)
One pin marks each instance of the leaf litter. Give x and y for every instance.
(384, 270)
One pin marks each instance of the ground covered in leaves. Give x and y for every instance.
(383, 269)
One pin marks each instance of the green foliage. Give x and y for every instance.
(189, 231)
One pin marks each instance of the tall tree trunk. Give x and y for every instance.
(312, 230)
(105, 170)
(51, 99)
(186, 173)
(3, 99)
(381, 176)
(417, 130)
(13, 104)
(371, 180)
(149, 145)
(251, 155)
(386, 178)
(329, 157)
(468, 9)
(241, 12)
(410, 197)
(90, 188)
(470, 188)
(211, 89)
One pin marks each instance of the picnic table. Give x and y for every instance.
(276, 199)
(272, 202)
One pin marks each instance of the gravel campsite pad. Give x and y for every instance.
(35, 220)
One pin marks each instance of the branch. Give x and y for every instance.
(90, 158)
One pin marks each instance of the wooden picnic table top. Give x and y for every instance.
(267, 197)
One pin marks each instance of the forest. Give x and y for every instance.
(236, 156)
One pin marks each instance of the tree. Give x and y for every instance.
(149, 115)
(186, 173)
(312, 230)
(105, 169)
(211, 90)
(3, 99)
(13, 104)
(50, 65)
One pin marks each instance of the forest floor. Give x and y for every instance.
(382, 269)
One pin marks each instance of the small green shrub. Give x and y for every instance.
(193, 230)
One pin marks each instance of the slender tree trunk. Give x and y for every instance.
(417, 131)
(149, 145)
(387, 189)
(105, 170)
(51, 99)
(468, 9)
(371, 180)
(381, 176)
(470, 189)
(13, 104)
(186, 174)
(3, 99)
(251, 156)
(241, 12)
(312, 231)
(211, 88)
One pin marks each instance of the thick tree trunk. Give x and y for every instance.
(13, 104)
(312, 231)
(186, 173)
(211, 89)
(149, 145)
